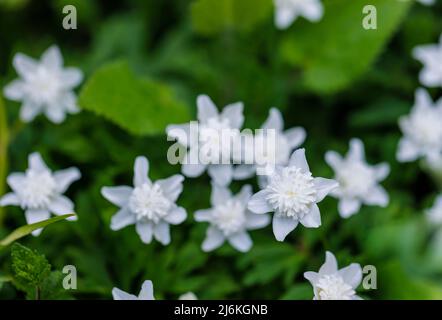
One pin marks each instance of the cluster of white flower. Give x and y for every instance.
(146, 293)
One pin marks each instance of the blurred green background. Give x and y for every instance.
(334, 78)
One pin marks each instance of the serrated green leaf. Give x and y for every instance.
(138, 105)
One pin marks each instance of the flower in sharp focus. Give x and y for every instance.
(333, 284)
(39, 192)
(146, 293)
(434, 214)
(188, 296)
(431, 57)
(210, 121)
(422, 130)
(292, 194)
(230, 219)
(287, 11)
(151, 206)
(358, 181)
(44, 86)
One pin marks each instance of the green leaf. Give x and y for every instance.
(138, 105)
(27, 229)
(213, 16)
(338, 50)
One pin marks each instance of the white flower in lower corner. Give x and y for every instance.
(188, 296)
(431, 57)
(358, 181)
(39, 192)
(229, 219)
(292, 194)
(287, 11)
(151, 206)
(434, 214)
(146, 293)
(333, 284)
(44, 86)
(422, 130)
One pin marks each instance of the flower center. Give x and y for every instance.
(149, 203)
(230, 217)
(37, 190)
(426, 129)
(355, 179)
(291, 192)
(333, 287)
(44, 85)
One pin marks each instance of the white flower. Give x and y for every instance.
(358, 181)
(422, 130)
(292, 193)
(434, 214)
(39, 192)
(287, 11)
(229, 219)
(333, 284)
(149, 205)
(431, 57)
(45, 86)
(279, 150)
(188, 296)
(146, 293)
(427, 2)
(231, 118)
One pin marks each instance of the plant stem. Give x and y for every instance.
(37, 293)
(4, 139)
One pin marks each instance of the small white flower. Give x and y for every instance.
(209, 120)
(188, 296)
(431, 57)
(39, 192)
(427, 2)
(434, 214)
(229, 219)
(292, 193)
(146, 293)
(287, 11)
(358, 181)
(422, 130)
(333, 284)
(45, 86)
(149, 205)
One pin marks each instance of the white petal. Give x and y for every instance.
(244, 194)
(430, 77)
(295, 136)
(356, 152)
(203, 215)
(71, 77)
(70, 102)
(161, 231)
(145, 231)
(324, 187)
(377, 196)
(15, 180)
(311, 276)
(330, 265)
(258, 203)
(234, 113)
(221, 173)
(24, 65)
(9, 199)
(36, 215)
(284, 17)
(55, 113)
(422, 99)
(382, 171)
(243, 171)
(274, 121)
(141, 170)
(241, 241)
(282, 226)
(119, 196)
(312, 219)
(61, 205)
(192, 170)
(333, 159)
(64, 178)
(29, 110)
(348, 207)
(312, 10)
(146, 292)
(299, 160)
(206, 108)
(122, 218)
(172, 186)
(407, 151)
(52, 58)
(256, 221)
(176, 216)
(219, 195)
(188, 296)
(36, 163)
(15, 90)
(214, 239)
(352, 275)
(118, 294)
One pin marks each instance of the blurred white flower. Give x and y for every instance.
(188, 296)
(229, 219)
(333, 284)
(149, 205)
(210, 120)
(287, 11)
(39, 192)
(427, 2)
(434, 214)
(44, 86)
(146, 293)
(431, 57)
(280, 149)
(358, 181)
(422, 130)
(292, 193)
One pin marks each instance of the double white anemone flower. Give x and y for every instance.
(292, 194)
(434, 214)
(151, 206)
(210, 132)
(333, 284)
(431, 57)
(146, 293)
(229, 219)
(422, 130)
(39, 192)
(358, 181)
(44, 86)
(287, 11)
